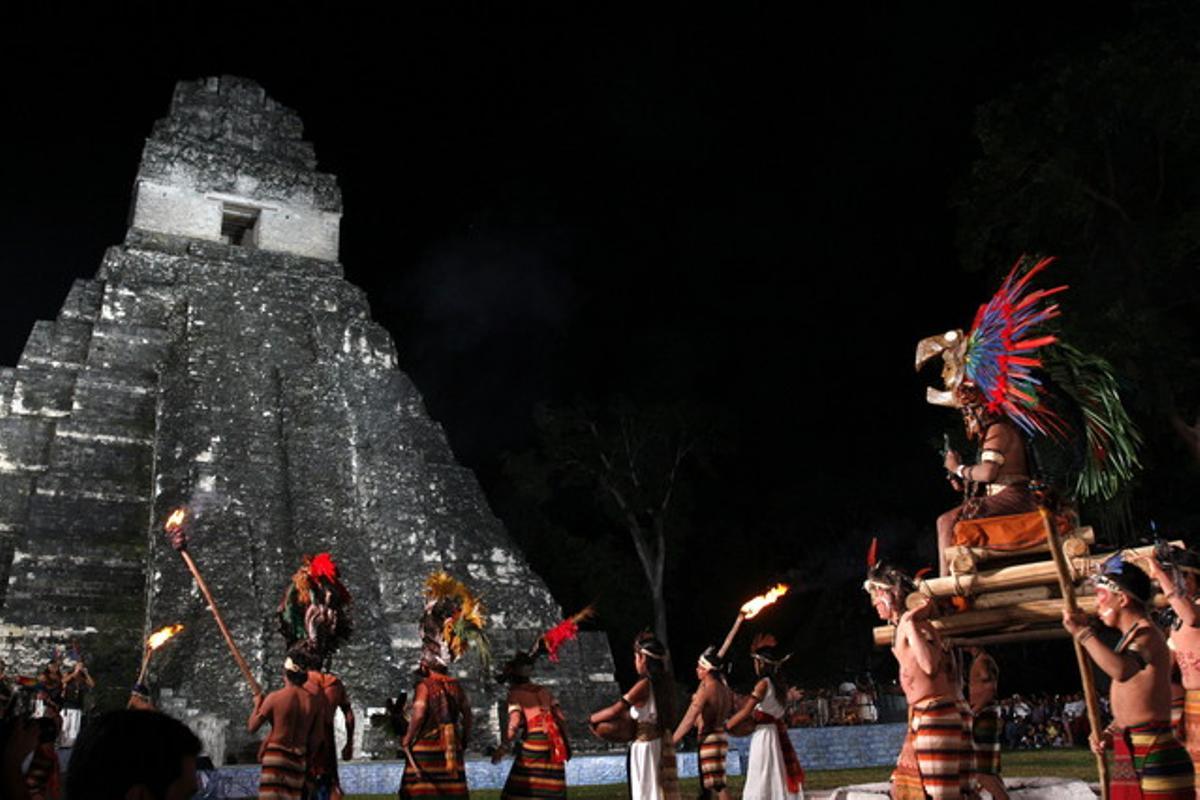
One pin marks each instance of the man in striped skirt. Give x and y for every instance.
(935, 760)
(707, 713)
(1149, 763)
(986, 725)
(293, 716)
(541, 754)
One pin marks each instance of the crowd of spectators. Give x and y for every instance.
(848, 704)
(1030, 722)
(1045, 720)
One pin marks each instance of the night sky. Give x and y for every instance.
(740, 207)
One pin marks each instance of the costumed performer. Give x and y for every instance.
(650, 703)
(440, 726)
(935, 760)
(1178, 582)
(773, 770)
(539, 769)
(1011, 386)
(1148, 761)
(983, 685)
(315, 620)
(294, 719)
(541, 754)
(711, 703)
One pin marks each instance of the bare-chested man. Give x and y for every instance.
(1147, 758)
(1184, 641)
(935, 760)
(293, 715)
(333, 696)
(983, 685)
(998, 484)
(710, 707)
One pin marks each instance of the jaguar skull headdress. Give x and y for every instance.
(1005, 366)
(993, 364)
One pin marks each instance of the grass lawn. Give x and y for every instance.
(1057, 763)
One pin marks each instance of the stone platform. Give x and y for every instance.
(1018, 789)
(818, 748)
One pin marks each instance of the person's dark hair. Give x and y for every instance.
(772, 670)
(296, 678)
(126, 748)
(304, 654)
(517, 671)
(662, 682)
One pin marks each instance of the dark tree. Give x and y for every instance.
(632, 460)
(1098, 162)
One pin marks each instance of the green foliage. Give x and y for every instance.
(1111, 439)
(1097, 161)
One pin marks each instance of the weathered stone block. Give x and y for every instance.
(233, 370)
(24, 444)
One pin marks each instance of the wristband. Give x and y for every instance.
(959, 472)
(1083, 637)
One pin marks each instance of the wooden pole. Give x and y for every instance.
(145, 665)
(1067, 586)
(1010, 637)
(737, 623)
(990, 620)
(1001, 599)
(1020, 616)
(255, 689)
(1017, 576)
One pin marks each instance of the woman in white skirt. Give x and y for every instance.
(650, 703)
(773, 771)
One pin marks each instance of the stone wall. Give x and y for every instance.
(251, 385)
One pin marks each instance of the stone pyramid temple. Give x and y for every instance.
(219, 360)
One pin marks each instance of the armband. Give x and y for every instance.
(625, 701)
(995, 456)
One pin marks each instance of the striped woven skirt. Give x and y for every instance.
(985, 739)
(436, 775)
(1191, 728)
(714, 747)
(535, 774)
(936, 758)
(1149, 763)
(283, 773)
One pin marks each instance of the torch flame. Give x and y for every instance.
(757, 604)
(175, 521)
(160, 637)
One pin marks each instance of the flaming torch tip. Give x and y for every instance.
(751, 607)
(160, 637)
(175, 520)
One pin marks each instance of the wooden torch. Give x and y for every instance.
(176, 528)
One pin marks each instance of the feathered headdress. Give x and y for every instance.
(316, 607)
(553, 639)
(1006, 365)
(881, 575)
(765, 647)
(998, 355)
(1118, 575)
(453, 622)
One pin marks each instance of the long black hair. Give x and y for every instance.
(771, 668)
(662, 682)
